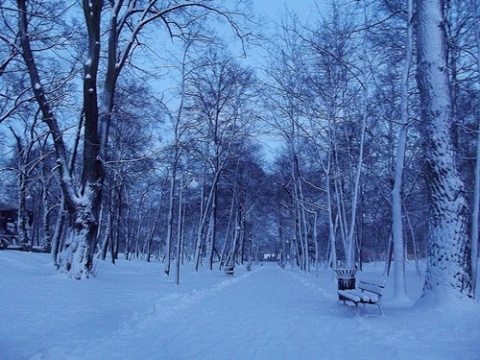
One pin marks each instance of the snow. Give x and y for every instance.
(133, 311)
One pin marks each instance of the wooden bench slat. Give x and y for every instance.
(367, 292)
(365, 297)
(379, 283)
(371, 288)
(347, 294)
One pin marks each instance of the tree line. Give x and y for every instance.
(132, 128)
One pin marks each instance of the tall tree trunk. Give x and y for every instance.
(205, 212)
(449, 262)
(476, 203)
(332, 256)
(108, 235)
(213, 223)
(22, 191)
(400, 288)
(152, 233)
(229, 226)
(84, 205)
(171, 205)
(201, 222)
(350, 251)
(245, 238)
(179, 233)
(58, 233)
(414, 245)
(46, 211)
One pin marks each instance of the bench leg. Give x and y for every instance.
(380, 308)
(358, 308)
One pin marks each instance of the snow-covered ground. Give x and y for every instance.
(132, 311)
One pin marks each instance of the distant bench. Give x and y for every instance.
(229, 269)
(367, 292)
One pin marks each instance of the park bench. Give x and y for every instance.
(367, 292)
(229, 269)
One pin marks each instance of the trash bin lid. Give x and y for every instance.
(345, 273)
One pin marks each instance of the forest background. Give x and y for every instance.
(147, 130)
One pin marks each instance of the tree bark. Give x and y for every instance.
(476, 202)
(449, 263)
(399, 288)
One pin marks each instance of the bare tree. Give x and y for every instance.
(449, 261)
(222, 96)
(117, 26)
(397, 226)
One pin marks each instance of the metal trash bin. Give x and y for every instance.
(346, 279)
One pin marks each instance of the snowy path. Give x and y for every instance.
(264, 315)
(278, 314)
(268, 313)
(130, 312)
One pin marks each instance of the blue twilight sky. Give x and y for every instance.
(275, 9)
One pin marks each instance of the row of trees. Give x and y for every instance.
(109, 180)
(120, 149)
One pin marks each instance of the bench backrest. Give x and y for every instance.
(372, 286)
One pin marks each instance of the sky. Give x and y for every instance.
(275, 9)
(271, 13)
(270, 10)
